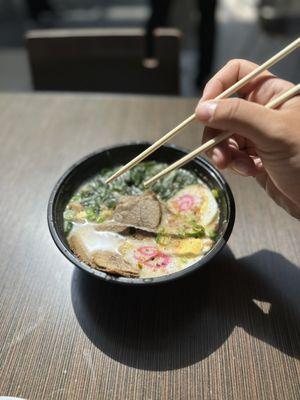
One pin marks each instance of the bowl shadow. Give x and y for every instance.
(177, 324)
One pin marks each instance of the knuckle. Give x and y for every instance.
(234, 62)
(231, 62)
(210, 83)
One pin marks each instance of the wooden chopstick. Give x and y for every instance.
(228, 92)
(212, 142)
(284, 97)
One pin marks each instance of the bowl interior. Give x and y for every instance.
(114, 156)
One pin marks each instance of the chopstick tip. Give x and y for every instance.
(108, 180)
(147, 183)
(114, 176)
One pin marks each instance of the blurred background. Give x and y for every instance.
(106, 58)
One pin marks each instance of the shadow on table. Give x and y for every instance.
(176, 325)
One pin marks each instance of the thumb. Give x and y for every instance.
(248, 119)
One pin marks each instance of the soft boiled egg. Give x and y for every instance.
(189, 247)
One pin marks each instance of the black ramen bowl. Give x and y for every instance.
(118, 155)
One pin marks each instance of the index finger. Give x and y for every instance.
(231, 73)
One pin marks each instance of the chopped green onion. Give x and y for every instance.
(100, 219)
(90, 214)
(76, 198)
(67, 227)
(216, 193)
(69, 215)
(212, 234)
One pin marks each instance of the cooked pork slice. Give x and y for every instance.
(112, 226)
(78, 247)
(106, 261)
(139, 211)
(114, 264)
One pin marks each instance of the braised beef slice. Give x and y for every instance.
(114, 264)
(139, 211)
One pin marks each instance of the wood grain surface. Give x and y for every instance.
(232, 331)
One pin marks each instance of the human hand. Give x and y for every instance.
(265, 143)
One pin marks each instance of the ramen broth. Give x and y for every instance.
(125, 230)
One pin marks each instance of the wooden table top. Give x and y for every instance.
(232, 331)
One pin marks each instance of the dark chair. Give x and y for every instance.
(104, 60)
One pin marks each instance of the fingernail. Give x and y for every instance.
(205, 111)
(240, 166)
